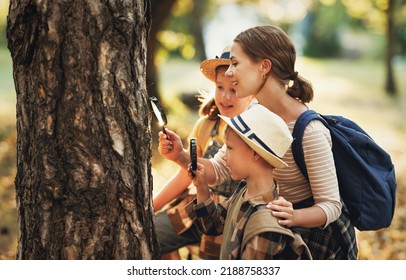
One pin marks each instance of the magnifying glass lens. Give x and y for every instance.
(158, 112)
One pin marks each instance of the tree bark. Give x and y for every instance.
(83, 183)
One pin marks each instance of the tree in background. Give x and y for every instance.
(159, 13)
(380, 17)
(83, 178)
(384, 17)
(176, 31)
(322, 32)
(390, 85)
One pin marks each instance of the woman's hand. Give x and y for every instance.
(283, 210)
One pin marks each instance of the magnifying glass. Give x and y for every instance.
(158, 112)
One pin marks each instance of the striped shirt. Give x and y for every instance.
(293, 186)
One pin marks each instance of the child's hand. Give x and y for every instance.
(170, 145)
(283, 210)
(199, 180)
(198, 176)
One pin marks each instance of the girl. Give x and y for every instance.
(174, 229)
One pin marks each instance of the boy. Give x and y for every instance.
(256, 141)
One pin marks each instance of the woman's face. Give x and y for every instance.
(244, 73)
(236, 155)
(225, 97)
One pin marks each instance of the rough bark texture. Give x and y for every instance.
(84, 185)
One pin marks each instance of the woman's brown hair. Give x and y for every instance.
(271, 42)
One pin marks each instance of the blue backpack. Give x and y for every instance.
(365, 172)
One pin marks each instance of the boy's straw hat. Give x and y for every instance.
(265, 132)
(208, 66)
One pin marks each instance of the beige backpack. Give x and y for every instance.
(263, 221)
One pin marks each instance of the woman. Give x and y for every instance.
(262, 64)
(174, 229)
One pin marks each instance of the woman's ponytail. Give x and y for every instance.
(301, 89)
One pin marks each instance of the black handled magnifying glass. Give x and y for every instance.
(158, 112)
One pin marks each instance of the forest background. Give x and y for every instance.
(343, 49)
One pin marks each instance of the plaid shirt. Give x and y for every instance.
(212, 220)
(209, 140)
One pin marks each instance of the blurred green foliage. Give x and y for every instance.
(332, 28)
(176, 39)
(326, 21)
(322, 38)
(3, 17)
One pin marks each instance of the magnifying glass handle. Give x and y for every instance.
(164, 131)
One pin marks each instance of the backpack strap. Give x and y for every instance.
(207, 129)
(298, 130)
(215, 129)
(262, 221)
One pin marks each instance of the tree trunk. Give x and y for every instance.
(390, 85)
(197, 27)
(83, 183)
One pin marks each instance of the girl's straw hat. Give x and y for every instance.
(208, 66)
(265, 132)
